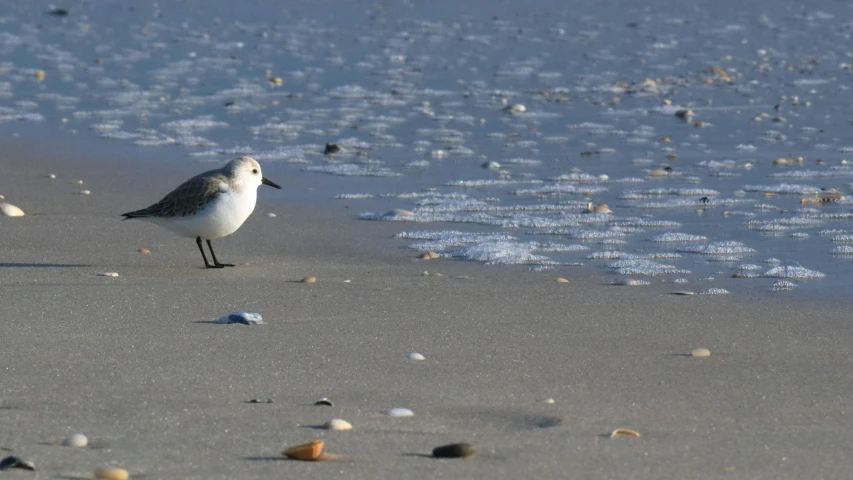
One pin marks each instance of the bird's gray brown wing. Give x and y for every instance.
(185, 200)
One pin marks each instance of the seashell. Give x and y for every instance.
(144, 251)
(337, 424)
(428, 256)
(309, 280)
(399, 212)
(658, 173)
(415, 356)
(108, 274)
(271, 215)
(51, 175)
(685, 114)
(623, 432)
(85, 192)
(111, 473)
(515, 108)
(256, 400)
(399, 412)
(491, 165)
(600, 208)
(12, 461)
(10, 210)
(454, 450)
(75, 440)
(332, 148)
(40, 75)
(682, 293)
(701, 352)
(324, 401)
(549, 401)
(562, 280)
(307, 452)
(244, 318)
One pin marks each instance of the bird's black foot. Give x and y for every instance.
(214, 266)
(221, 265)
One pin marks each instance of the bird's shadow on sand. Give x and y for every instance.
(42, 265)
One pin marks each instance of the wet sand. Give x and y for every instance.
(135, 363)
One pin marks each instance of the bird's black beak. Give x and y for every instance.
(267, 182)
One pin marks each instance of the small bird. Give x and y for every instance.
(210, 205)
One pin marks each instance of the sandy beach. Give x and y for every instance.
(136, 363)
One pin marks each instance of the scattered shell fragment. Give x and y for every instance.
(682, 293)
(428, 256)
(324, 401)
(144, 251)
(111, 473)
(454, 450)
(244, 318)
(399, 412)
(623, 432)
(600, 208)
(10, 210)
(399, 212)
(108, 274)
(415, 356)
(40, 75)
(337, 424)
(684, 114)
(12, 461)
(562, 280)
(51, 175)
(260, 400)
(85, 192)
(549, 401)
(308, 452)
(308, 280)
(492, 165)
(701, 352)
(77, 440)
(823, 199)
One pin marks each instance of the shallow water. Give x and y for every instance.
(426, 102)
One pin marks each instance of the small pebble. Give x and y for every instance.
(111, 473)
(333, 148)
(454, 450)
(309, 280)
(244, 318)
(428, 256)
(337, 424)
(415, 356)
(40, 75)
(256, 400)
(12, 461)
(425, 274)
(79, 182)
(491, 165)
(682, 293)
(10, 210)
(623, 432)
(52, 175)
(108, 274)
(77, 440)
(562, 280)
(701, 352)
(85, 192)
(144, 251)
(308, 452)
(549, 401)
(399, 412)
(324, 401)
(271, 215)
(515, 108)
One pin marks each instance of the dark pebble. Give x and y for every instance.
(332, 148)
(16, 462)
(454, 450)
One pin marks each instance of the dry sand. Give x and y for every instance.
(135, 363)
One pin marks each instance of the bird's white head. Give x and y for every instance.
(247, 171)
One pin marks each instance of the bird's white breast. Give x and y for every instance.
(220, 217)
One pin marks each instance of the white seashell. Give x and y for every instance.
(85, 192)
(399, 212)
(51, 176)
(515, 108)
(245, 318)
(491, 165)
(337, 424)
(399, 412)
(10, 210)
(75, 440)
(415, 356)
(108, 274)
(112, 473)
(701, 352)
(271, 215)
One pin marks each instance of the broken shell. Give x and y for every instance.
(52, 175)
(144, 251)
(40, 75)
(308, 452)
(337, 424)
(454, 450)
(623, 432)
(399, 412)
(324, 401)
(515, 108)
(16, 462)
(309, 280)
(108, 274)
(428, 256)
(399, 212)
(85, 192)
(562, 280)
(10, 210)
(112, 473)
(75, 440)
(415, 356)
(682, 293)
(701, 352)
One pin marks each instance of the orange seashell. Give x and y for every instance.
(308, 452)
(623, 432)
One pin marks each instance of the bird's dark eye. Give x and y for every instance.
(255, 170)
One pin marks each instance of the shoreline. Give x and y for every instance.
(135, 363)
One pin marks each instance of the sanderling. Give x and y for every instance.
(210, 205)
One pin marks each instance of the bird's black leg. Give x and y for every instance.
(201, 249)
(215, 261)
